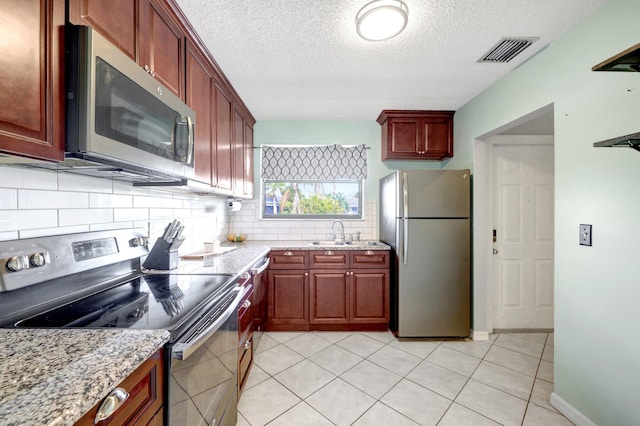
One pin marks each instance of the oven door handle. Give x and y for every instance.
(260, 269)
(183, 350)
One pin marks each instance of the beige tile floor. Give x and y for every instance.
(371, 378)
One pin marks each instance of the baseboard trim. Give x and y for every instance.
(479, 335)
(569, 411)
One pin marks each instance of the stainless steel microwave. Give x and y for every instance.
(119, 115)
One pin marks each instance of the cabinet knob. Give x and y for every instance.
(247, 344)
(287, 253)
(246, 304)
(306, 274)
(329, 253)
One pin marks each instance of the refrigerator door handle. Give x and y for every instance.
(405, 238)
(405, 195)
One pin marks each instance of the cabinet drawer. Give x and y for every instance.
(288, 259)
(144, 386)
(370, 259)
(329, 259)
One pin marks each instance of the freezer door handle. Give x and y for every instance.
(405, 195)
(405, 239)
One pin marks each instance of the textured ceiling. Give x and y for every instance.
(302, 59)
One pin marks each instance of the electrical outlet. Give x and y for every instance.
(585, 235)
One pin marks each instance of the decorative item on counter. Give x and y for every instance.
(164, 254)
(236, 238)
(211, 246)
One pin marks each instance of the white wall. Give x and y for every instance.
(596, 288)
(36, 203)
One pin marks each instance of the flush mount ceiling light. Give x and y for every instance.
(381, 19)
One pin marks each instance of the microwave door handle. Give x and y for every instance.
(190, 141)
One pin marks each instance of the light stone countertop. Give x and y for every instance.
(53, 377)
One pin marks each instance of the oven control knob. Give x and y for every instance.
(139, 241)
(17, 263)
(39, 259)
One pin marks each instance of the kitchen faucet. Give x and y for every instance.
(342, 229)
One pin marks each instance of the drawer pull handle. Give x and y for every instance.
(246, 304)
(369, 253)
(110, 404)
(329, 253)
(288, 253)
(247, 344)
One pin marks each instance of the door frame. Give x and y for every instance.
(483, 290)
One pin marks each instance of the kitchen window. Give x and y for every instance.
(323, 182)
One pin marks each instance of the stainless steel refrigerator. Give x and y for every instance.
(425, 216)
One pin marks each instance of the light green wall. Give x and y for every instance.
(597, 288)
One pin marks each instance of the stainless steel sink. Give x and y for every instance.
(346, 243)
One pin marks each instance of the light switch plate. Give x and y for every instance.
(585, 235)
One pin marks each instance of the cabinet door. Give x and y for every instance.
(404, 139)
(162, 42)
(114, 19)
(237, 152)
(248, 159)
(199, 97)
(223, 140)
(288, 300)
(328, 297)
(369, 297)
(438, 137)
(32, 78)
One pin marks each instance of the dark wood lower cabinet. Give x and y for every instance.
(144, 405)
(339, 292)
(328, 297)
(287, 300)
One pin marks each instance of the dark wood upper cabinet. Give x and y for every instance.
(162, 44)
(199, 97)
(222, 156)
(238, 152)
(416, 135)
(114, 19)
(32, 78)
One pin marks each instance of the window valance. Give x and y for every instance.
(324, 162)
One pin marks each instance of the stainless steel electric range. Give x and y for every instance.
(95, 280)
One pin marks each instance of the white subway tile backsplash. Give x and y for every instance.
(157, 214)
(16, 177)
(109, 226)
(110, 200)
(120, 215)
(144, 201)
(72, 182)
(33, 199)
(182, 213)
(172, 203)
(14, 220)
(11, 235)
(8, 199)
(70, 217)
(53, 231)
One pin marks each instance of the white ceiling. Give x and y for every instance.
(302, 59)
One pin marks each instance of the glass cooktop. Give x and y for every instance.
(154, 301)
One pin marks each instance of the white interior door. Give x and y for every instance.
(523, 247)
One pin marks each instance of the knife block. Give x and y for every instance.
(162, 256)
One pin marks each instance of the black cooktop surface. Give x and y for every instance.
(156, 301)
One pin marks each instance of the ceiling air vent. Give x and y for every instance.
(507, 49)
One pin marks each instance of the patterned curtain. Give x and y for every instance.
(326, 162)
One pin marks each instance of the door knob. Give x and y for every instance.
(495, 251)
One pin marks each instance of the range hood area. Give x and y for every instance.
(625, 61)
